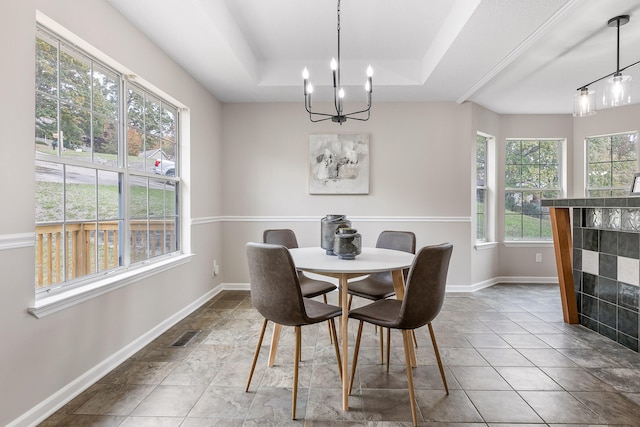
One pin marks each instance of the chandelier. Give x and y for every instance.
(338, 92)
(617, 89)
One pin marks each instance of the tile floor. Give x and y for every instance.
(509, 361)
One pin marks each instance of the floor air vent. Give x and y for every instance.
(185, 339)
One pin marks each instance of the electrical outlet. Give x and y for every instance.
(216, 268)
(538, 257)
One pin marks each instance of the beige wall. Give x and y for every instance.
(40, 357)
(419, 163)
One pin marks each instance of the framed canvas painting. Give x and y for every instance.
(339, 164)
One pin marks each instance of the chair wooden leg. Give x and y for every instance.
(331, 338)
(356, 350)
(255, 356)
(334, 337)
(435, 349)
(381, 345)
(388, 346)
(415, 340)
(349, 303)
(296, 362)
(408, 342)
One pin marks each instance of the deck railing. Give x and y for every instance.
(92, 247)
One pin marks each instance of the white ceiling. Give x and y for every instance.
(511, 56)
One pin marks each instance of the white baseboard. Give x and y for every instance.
(60, 398)
(450, 287)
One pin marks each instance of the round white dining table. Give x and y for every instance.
(371, 260)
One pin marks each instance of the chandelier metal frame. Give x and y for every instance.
(338, 92)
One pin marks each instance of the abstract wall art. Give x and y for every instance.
(339, 164)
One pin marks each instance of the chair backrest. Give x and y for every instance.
(404, 241)
(426, 284)
(397, 240)
(275, 289)
(280, 236)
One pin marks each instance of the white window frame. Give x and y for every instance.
(562, 179)
(620, 191)
(489, 240)
(60, 297)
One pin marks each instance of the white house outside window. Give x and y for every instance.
(107, 175)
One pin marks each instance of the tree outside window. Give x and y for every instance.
(100, 203)
(532, 172)
(612, 161)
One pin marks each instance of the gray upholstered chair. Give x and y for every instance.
(275, 293)
(423, 299)
(310, 287)
(379, 286)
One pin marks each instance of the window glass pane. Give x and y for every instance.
(513, 202)
(623, 174)
(135, 108)
(49, 192)
(105, 93)
(513, 176)
(545, 227)
(530, 152)
(530, 176)
(152, 116)
(623, 147)
(549, 176)
(138, 207)
(136, 158)
(156, 199)
(171, 236)
(513, 153)
(46, 124)
(169, 123)
(513, 226)
(75, 78)
(599, 149)
(531, 227)
(108, 197)
(107, 255)
(75, 131)
(549, 153)
(599, 175)
(105, 141)
(138, 240)
(80, 193)
(46, 64)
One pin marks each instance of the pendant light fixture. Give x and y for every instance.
(338, 92)
(618, 87)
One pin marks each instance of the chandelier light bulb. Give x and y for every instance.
(309, 88)
(341, 93)
(584, 103)
(305, 73)
(369, 71)
(334, 64)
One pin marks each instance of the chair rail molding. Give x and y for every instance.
(15, 241)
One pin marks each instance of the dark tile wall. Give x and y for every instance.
(606, 305)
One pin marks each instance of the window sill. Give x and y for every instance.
(482, 246)
(47, 303)
(529, 243)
